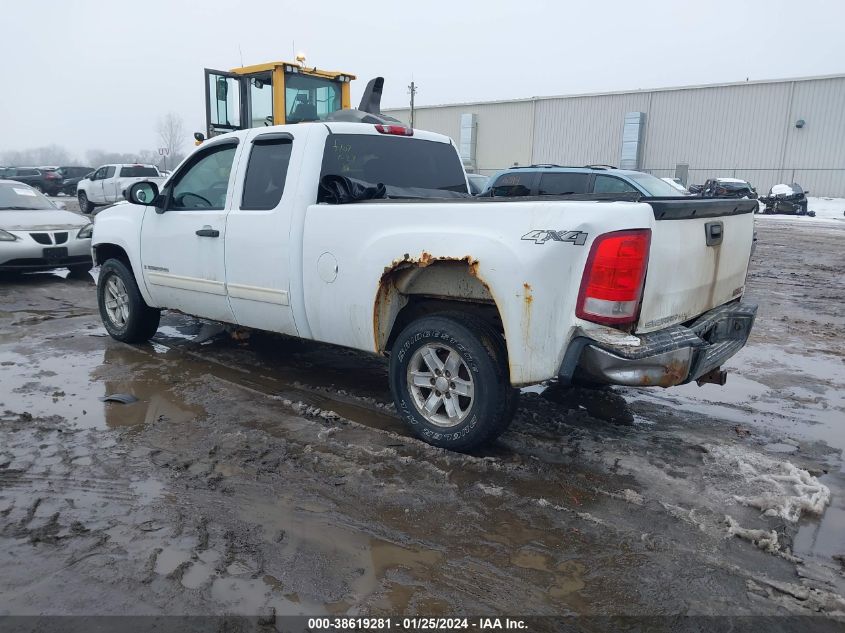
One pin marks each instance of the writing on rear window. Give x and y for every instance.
(578, 238)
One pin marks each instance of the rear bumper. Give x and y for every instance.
(673, 356)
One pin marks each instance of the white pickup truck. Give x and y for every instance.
(108, 184)
(363, 236)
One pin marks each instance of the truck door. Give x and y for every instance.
(111, 187)
(182, 242)
(224, 102)
(95, 191)
(258, 231)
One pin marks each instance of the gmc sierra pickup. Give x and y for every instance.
(364, 236)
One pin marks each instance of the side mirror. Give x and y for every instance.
(144, 193)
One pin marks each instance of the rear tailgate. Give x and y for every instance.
(699, 255)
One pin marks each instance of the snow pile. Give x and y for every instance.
(777, 488)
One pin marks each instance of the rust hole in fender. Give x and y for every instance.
(386, 287)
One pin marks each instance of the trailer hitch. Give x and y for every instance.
(716, 376)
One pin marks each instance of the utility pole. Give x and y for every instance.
(412, 89)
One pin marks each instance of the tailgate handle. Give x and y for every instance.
(713, 233)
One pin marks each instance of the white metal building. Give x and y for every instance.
(785, 130)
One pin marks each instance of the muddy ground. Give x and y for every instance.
(271, 476)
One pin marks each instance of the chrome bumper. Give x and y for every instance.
(674, 356)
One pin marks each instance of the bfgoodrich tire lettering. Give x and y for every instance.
(125, 315)
(484, 372)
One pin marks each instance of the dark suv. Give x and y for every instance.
(555, 180)
(46, 179)
(71, 177)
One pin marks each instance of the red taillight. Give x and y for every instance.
(398, 130)
(612, 285)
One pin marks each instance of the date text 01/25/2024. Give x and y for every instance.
(414, 624)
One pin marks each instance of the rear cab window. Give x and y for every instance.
(138, 171)
(394, 162)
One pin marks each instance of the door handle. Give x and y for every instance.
(207, 231)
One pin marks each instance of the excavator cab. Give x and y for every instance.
(272, 94)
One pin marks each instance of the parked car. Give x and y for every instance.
(724, 188)
(788, 199)
(45, 179)
(36, 235)
(71, 177)
(677, 184)
(477, 183)
(470, 298)
(108, 184)
(555, 180)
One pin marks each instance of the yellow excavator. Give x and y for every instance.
(274, 93)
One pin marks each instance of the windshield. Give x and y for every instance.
(16, 196)
(656, 187)
(310, 98)
(394, 161)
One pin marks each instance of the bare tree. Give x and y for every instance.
(171, 134)
(37, 157)
(97, 157)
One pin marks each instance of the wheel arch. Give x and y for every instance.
(115, 249)
(409, 289)
(106, 251)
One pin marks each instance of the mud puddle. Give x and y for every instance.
(800, 395)
(300, 374)
(71, 384)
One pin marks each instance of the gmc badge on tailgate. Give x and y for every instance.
(578, 238)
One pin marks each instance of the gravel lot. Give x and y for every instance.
(270, 476)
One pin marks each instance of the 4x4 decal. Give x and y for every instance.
(578, 238)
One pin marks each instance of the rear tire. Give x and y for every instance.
(438, 359)
(84, 205)
(124, 312)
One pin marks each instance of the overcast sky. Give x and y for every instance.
(97, 75)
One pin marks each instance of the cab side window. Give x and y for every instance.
(513, 185)
(611, 184)
(563, 183)
(266, 173)
(203, 183)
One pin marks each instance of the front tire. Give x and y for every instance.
(123, 310)
(84, 204)
(450, 382)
